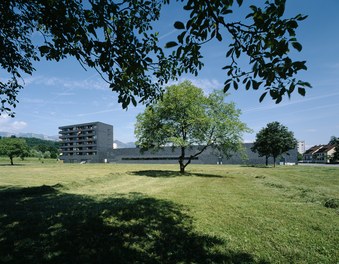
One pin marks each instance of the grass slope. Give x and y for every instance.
(104, 213)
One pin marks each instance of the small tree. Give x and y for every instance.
(273, 140)
(47, 155)
(13, 147)
(186, 118)
(335, 141)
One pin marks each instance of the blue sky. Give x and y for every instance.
(63, 93)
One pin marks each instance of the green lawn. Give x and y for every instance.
(117, 213)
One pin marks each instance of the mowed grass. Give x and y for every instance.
(125, 213)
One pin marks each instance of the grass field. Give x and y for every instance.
(118, 213)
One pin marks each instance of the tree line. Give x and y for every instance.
(28, 147)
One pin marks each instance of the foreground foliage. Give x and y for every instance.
(60, 213)
(117, 39)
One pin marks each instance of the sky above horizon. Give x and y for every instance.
(64, 93)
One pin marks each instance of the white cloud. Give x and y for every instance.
(335, 66)
(311, 130)
(272, 105)
(88, 83)
(208, 85)
(7, 124)
(167, 34)
(64, 94)
(96, 112)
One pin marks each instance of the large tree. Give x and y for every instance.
(274, 140)
(186, 118)
(117, 39)
(13, 147)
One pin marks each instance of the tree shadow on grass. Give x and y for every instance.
(172, 174)
(43, 225)
(258, 166)
(10, 165)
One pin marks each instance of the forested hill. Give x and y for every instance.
(42, 144)
(42, 148)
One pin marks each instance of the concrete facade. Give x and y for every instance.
(87, 142)
(93, 142)
(170, 156)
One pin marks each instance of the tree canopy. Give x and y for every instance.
(13, 147)
(273, 140)
(186, 118)
(118, 39)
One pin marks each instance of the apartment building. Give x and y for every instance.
(87, 142)
(301, 147)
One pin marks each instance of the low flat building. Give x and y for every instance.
(87, 142)
(93, 142)
(209, 156)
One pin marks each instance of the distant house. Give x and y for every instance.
(308, 154)
(319, 154)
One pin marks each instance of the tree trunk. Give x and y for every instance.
(274, 161)
(266, 160)
(11, 158)
(182, 160)
(182, 168)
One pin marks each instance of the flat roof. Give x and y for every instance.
(84, 124)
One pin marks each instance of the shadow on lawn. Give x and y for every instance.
(10, 165)
(44, 225)
(258, 166)
(170, 174)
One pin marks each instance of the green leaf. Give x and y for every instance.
(227, 87)
(297, 46)
(292, 87)
(262, 97)
(249, 15)
(148, 59)
(134, 102)
(301, 91)
(179, 25)
(44, 49)
(229, 52)
(256, 84)
(292, 24)
(248, 85)
(279, 99)
(219, 37)
(239, 2)
(91, 29)
(171, 44)
(301, 17)
(235, 85)
(226, 10)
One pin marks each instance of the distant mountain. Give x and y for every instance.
(29, 135)
(119, 144)
(116, 143)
